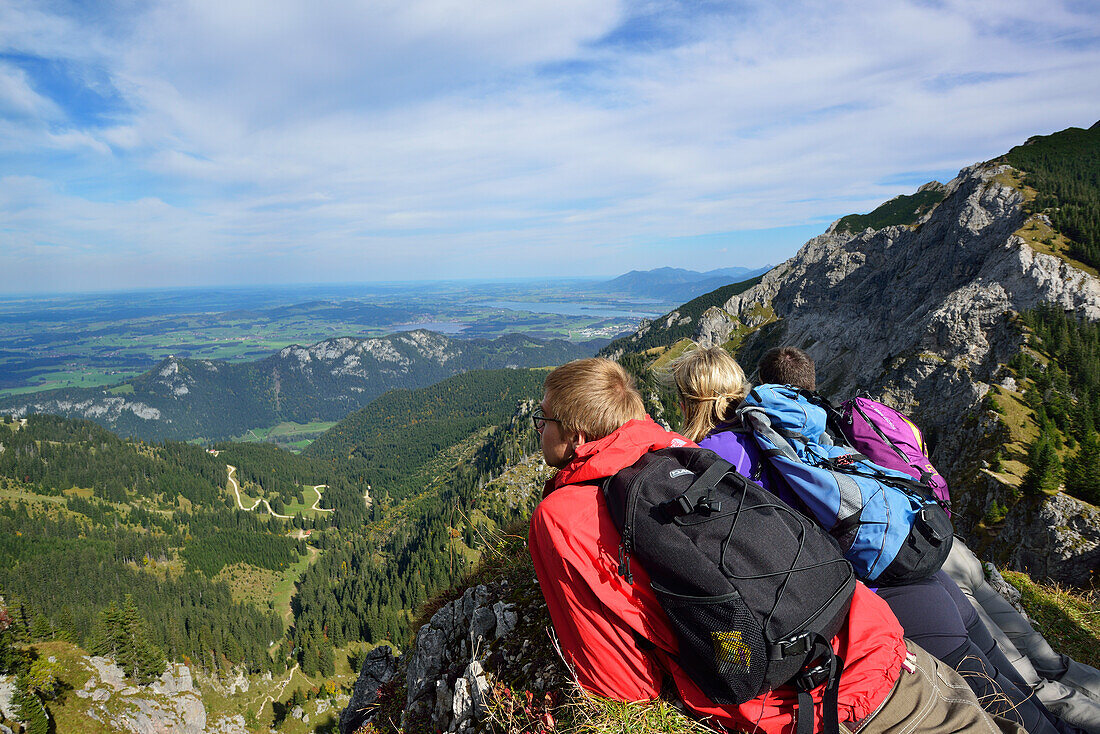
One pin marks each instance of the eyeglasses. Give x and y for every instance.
(540, 420)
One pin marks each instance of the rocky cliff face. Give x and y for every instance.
(922, 316)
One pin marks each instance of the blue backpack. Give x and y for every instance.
(890, 527)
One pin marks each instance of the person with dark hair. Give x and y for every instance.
(787, 366)
(933, 612)
(613, 632)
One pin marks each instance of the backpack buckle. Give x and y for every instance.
(799, 645)
(710, 504)
(676, 507)
(807, 680)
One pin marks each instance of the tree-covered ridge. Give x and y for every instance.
(905, 209)
(156, 527)
(275, 472)
(676, 325)
(1064, 168)
(209, 554)
(184, 399)
(66, 571)
(55, 454)
(388, 442)
(1063, 392)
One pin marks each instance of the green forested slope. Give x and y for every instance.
(1064, 168)
(1059, 376)
(87, 518)
(905, 209)
(387, 442)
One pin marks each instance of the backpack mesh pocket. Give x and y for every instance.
(721, 644)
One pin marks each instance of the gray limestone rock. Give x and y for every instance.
(714, 328)
(378, 668)
(109, 673)
(1056, 538)
(462, 704)
(7, 690)
(477, 685)
(176, 679)
(169, 705)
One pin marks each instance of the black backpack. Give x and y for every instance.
(754, 590)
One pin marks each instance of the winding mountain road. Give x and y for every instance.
(231, 470)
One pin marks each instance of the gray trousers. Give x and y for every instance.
(1070, 690)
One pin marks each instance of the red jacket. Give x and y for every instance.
(574, 545)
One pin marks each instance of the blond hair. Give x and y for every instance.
(711, 385)
(594, 396)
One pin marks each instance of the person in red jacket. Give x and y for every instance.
(615, 636)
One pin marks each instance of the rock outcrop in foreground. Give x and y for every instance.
(464, 666)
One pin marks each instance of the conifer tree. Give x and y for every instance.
(29, 708)
(41, 628)
(310, 659)
(122, 635)
(326, 660)
(1083, 470)
(1044, 474)
(107, 635)
(9, 654)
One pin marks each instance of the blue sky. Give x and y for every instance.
(201, 142)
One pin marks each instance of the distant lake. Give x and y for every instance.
(440, 327)
(571, 309)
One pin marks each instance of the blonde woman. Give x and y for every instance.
(711, 386)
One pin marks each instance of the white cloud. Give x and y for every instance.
(18, 99)
(347, 142)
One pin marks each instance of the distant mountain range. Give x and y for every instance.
(184, 399)
(676, 284)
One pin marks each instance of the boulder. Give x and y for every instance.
(378, 668)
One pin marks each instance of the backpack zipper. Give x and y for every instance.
(626, 544)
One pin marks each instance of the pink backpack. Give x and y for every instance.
(890, 439)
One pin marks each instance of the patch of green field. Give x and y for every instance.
(286, 430)
(251, 585)
(8, 491)
(671, 353)
(283, 589)
(1022, 431)
(68, 711)
(84, 492)
(82, 377)
(122, 390)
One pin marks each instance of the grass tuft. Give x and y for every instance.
(1069, 619)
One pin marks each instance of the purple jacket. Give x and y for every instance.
(740, 449)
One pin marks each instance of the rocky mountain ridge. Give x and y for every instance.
(923, 316)
(186, 398)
